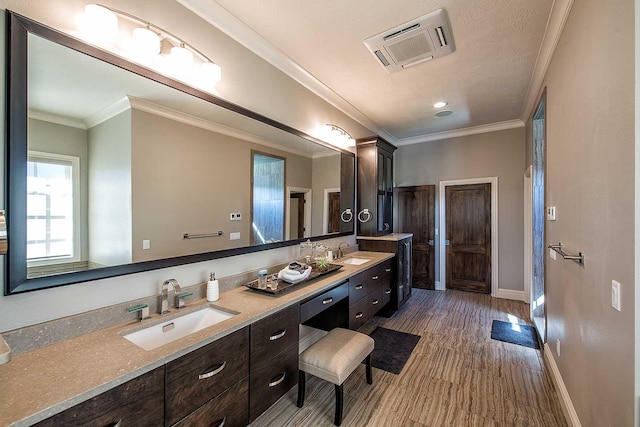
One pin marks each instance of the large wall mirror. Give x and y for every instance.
(115, 169)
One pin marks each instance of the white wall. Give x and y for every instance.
(247, 80)
(498, 154)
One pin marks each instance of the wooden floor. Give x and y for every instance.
(456, 376)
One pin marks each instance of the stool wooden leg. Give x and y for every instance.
(339, 399)
(301, 388)
(368, 364)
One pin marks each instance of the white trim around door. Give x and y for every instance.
(493, 180)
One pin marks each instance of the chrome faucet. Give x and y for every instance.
(164, 296)
(340, 254)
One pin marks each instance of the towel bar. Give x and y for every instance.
(579, 259)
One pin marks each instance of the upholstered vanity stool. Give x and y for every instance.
(333, 358)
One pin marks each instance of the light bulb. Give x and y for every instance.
(212, 71)
(181, 56)
(440, 104)
(100, 24)
(146, 43)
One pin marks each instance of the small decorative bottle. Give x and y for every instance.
(213, 290)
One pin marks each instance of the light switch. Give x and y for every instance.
(146, 244)
(234, 236)
(551, 213)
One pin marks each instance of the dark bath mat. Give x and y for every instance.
(515, 333)
(392, 350)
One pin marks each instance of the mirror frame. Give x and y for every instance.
(16, 281)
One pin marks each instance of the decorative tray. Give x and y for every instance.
(279, 285)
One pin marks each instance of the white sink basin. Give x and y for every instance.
(356, 261)
(163, 333)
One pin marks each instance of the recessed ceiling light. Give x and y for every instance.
(444, 113)
(439, 104)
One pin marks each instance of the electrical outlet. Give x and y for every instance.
(146, 244)
(552, 254)
(238, 216)
(235, 216)
(558, 347)
(234, 236)
(615, 295)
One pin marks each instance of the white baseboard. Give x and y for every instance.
(510, 294)
(565, 400)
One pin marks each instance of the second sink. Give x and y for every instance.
(355, 261)
(163, 333)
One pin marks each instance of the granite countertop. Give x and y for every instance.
(394, 237)
(46, 381)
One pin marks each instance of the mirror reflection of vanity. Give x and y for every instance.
(115, 169)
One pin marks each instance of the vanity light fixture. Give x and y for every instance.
(149, 45)
(440, 104)
(337, 136)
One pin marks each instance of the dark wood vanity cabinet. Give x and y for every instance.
(198, 377)
(375, 186)
(138, 402)
(368, 291)
(401, 267)
(274, 358)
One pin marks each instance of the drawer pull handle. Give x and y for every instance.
(118, 424)
(278, 335)
(375, 302)
(387, 270)
(359, 315)
(358, 287)
(375, 277)
(278, 381)
(212, 373)
(224, 420)
(387, 291)
(327, 300)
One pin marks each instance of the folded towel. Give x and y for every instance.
(295, 275)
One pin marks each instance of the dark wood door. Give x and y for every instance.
(334, 213)
(297, 215)
(468, 218)
(414, 210)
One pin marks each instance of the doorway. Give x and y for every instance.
(469, 258)
(297, 212)
(414, 210)
(538, 303)
(331, 211)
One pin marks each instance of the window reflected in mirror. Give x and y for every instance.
(267, 196)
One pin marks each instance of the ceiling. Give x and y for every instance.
(486, 81)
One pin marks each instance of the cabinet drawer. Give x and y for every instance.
(358, 286)
(273, 334)
(272, 381)
(320, 303)
(375, 301)
(230, 409)
(386, 271)
(358, 313)
(202, 374)
(138, 402)
(386, 292)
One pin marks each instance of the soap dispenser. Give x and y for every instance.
(213, 290)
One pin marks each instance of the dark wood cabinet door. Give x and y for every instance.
(414, 209)
(197, 377)
(138, 402)
(468, 218)
(272, 380)
(230, 409)
(273, 334)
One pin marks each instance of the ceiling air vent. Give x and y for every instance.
(413, 42)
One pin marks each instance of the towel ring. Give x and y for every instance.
(363, 213)
(344, 213)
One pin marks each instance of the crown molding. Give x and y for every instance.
(53, 118)
(108, 112)
(456, 133)
(171, 114)
(555, 24)
(219, 17)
